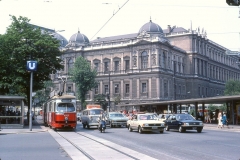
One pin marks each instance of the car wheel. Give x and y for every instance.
(199, 130)
(167, 128)
(129, 128)
(181, 130)
(161, 131)
(140, 130)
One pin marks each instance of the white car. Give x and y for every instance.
(145, 122)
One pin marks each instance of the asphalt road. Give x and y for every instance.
(211, 144)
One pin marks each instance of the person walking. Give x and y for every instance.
(208, 118)
(220, 119)
(224, 119)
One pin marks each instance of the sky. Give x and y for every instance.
(104, 18)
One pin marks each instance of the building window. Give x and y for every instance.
(116, 88)
(96, 90)
(70, 64)
(116, 66)
(144, 87)
(144, 60)
(96, 66)
(127, 88)
(69, 89)
(106, 90)
(164, 60)
(127, 65)
(106, 66)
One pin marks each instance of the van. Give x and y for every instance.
(90, 116)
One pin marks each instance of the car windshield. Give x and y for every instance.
(96, 111)
(65, 107)
(184, 117)
(147, 117)
(116, 115)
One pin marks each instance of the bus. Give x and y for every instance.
(59, 112)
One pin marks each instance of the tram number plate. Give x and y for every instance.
(154, 127)
(194, 128)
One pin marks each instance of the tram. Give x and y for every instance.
(59, 112)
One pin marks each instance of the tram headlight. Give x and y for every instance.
(66, 118)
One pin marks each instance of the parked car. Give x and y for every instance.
(183, 122)
(79, 116)
(145, 122)
(116, 119)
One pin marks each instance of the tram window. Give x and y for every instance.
(65, 107)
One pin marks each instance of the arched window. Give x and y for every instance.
(70, 64)
(144, 60)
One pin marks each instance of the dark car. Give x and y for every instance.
(183, 122)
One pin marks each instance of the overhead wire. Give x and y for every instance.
(109, 19)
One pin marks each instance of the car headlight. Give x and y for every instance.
(186, 124)
(200, 123)
(145, 125)
(162, 124)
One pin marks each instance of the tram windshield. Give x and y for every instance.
(65, 107)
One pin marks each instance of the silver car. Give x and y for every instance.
(116, 119)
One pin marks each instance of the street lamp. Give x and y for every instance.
(109, 90)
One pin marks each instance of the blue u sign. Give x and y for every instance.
(31, 65)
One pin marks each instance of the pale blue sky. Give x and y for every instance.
(220, 21)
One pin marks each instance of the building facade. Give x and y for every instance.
(151, 65)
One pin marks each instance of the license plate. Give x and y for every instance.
(194, 128)
(154, 127)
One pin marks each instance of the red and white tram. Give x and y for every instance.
(60, 112)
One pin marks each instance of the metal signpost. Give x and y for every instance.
(31, 66)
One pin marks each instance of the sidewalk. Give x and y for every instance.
(215, 125)
(37, 126)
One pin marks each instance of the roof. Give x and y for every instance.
(114, 38)
(218, 99)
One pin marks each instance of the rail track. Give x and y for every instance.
(80, 145)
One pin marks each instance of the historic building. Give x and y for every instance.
(151, 65)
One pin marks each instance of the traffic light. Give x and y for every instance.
(233, 2)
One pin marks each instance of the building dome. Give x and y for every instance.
(63, 41)
(78, 38)
(151, 27)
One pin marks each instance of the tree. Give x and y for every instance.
(43, 95)
(84, 76)
(20, 43)
(101, 99)
(232, 88)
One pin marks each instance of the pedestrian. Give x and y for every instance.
(208, 118)
(219, 119)
(224, 119)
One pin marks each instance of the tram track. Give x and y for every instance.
(93, 148)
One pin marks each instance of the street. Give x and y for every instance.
(119, 143)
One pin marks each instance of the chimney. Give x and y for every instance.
(169, 28)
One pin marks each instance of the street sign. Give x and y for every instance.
(31, 65)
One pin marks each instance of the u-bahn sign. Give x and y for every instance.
(31, 65)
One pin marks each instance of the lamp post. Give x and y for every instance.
(109, 90)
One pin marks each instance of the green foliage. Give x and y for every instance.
(43, 95)
(213, 108)
(101, 99)
(232, 88)
(117, 99)
(21, 43)
(84, 77)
